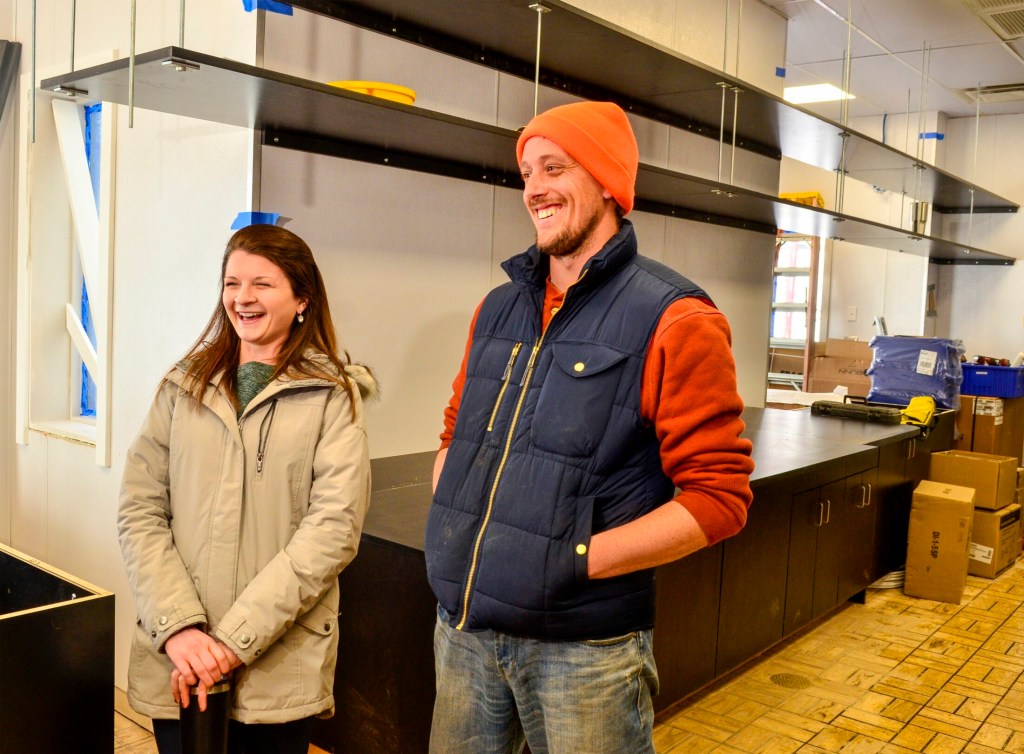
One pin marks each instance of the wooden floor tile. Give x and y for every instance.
(943, 744)
(946, 723)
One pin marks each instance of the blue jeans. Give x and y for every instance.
(496, 692)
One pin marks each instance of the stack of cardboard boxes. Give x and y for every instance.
(965, 519)
(840, 363)
(990, 425)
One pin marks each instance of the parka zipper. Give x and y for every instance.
(261, 444)
(524, 388)
(504, 384)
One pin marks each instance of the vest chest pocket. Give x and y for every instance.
(576, 398)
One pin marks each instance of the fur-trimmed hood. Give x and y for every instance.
(361, 375)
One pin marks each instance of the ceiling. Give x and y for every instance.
(894, 41)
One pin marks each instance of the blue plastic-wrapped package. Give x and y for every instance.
(906, 367)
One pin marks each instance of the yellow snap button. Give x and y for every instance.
(580, 366)
(554, 310)
(581, 549)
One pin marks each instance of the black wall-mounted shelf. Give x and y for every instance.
(300, 114)
(592, 58)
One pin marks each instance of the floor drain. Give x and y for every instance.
(790, 681)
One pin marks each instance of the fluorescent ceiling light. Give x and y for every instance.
(802, 95)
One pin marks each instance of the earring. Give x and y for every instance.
(301, 318)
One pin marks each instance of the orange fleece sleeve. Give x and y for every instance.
(689, 394)
(452, 409)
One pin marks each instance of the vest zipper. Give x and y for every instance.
(504, 384)
(524, 387)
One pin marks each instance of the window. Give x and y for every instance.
(64, 274)
(791, 289)
(93, 117)
(793, 309)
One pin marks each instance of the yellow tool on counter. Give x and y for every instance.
(919, 411)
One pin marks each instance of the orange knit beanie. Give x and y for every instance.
(598, 136)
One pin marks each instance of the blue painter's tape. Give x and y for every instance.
(932, 135)
(271, 5)
(780, 72)
(245, 219)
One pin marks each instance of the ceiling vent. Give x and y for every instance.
(994, 94)
(1004, 17)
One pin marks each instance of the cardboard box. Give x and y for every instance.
(993, 477)
(840, 362)
(941, 516)
(991, 425)
(963, 437)
(995, 541)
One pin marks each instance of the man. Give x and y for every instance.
(594, 384)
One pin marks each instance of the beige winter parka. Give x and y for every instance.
(241, 526)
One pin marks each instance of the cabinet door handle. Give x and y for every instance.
(828, 510)
(821, 514)
(867, 496)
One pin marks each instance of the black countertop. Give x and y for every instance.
(787, 443)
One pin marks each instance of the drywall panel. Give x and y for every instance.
(322, 49)
(735, 268)
(997, 163)
(406, 258)
(867, 283)
(983, 307)
(905, 293)
(857, 284)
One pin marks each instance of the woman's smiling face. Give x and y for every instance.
(260, 304)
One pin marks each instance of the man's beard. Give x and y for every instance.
(570, 241)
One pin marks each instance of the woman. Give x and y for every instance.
(243, 498)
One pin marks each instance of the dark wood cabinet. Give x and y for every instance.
(754, 567)
(856, 522)
(894, 489)
(56, 660)
(686, 627)
(814, 543)
(384, 683)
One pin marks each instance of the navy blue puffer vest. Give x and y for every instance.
(548, 448)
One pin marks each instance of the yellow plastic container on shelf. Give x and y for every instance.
(810, 198)
(392, 92)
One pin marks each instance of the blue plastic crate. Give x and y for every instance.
(995, 382)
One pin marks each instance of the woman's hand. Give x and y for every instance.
(199, 660)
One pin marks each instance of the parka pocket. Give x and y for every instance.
(576, 398)
(320, 619)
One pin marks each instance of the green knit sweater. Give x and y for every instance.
(253, 376)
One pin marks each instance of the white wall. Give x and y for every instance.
(982, 305)
(8, 211)
(179, 184)
(708, 32)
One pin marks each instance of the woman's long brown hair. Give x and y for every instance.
(217, 348)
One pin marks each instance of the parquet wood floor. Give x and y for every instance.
(896, 674)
